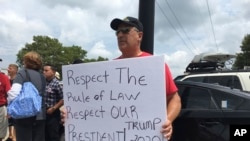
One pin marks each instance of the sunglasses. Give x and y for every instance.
(124, 30)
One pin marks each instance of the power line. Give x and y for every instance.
(174, 27)
(212, 25)
(181, 25)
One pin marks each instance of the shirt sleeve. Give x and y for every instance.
(14, 91)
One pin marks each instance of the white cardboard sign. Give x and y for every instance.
(118, 100)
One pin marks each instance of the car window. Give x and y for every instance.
(230, 101)
(196, 98)
(229, 81)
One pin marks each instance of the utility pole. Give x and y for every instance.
(146, 16)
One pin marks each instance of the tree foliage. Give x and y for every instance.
(243, 58)
(96, 60)
(53, 52)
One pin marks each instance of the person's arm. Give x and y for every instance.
(55, 107)
(173, 110)
(13, 92)
(58, 104)
(173, 106)
(16, 86)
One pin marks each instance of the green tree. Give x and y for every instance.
(52, 52)
(243, 58)
(95, 60)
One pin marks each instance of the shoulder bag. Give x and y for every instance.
(28, 103)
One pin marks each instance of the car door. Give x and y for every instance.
(200, 117)
(236, 108)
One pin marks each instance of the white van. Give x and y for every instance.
(235, 80)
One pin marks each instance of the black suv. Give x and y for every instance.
(208, 111)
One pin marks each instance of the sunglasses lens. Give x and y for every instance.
(123, 30)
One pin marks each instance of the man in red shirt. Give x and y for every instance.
(4, 87)
(129, 32)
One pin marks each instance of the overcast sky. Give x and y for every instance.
(183, 28)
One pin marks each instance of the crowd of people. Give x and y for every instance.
(46, 126)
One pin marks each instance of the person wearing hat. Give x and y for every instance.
(129, 33)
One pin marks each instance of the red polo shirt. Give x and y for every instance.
(4, 87)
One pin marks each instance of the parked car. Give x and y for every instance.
(208, 111)
(211, 68)
(235, 80)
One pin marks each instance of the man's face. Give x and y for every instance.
(48, 72)
(128, 37)
(12, 70)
